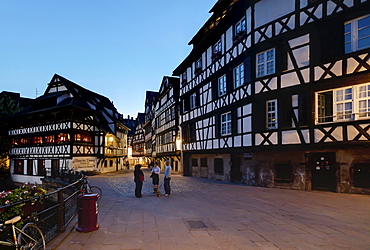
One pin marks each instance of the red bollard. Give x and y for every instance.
(87, 205)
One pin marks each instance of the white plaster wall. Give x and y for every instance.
(264, 13)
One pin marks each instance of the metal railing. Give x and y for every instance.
(58, 209)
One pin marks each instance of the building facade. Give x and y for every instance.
(167, 133)
(276, 93)
(148, 126)
(67, 128)
(138, 142)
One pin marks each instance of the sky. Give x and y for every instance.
(116, 48)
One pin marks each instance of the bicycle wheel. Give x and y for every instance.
(31, 237)
(97, 190)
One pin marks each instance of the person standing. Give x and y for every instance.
(167, 179)
(138, 179)
(155, 175)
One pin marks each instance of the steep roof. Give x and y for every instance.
(62, 93)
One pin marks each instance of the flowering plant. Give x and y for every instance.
(24, 193)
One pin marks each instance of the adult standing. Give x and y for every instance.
(155, 175)
(138, 179)
(167, 179)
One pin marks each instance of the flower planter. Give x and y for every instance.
(30, 208)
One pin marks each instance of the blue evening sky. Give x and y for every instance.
(117, 48)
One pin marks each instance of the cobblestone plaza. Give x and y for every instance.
(210, 214)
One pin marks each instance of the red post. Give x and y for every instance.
(87, 205)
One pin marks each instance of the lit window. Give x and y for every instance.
(63, 137)
(357, 34)
(239, 75)
(266, 63)
(271, 112)
(350, 103)
(222, 85)
(344, 104)
(364, 101)
(226, 123)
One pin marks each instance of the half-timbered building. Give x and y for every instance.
(148, 126)
(138, 141)
(67, 128)
(167, 140)
(277, 93)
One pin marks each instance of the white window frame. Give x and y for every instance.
(348, 104)
(352, 36)
(225, 121)
(240, 27)
(265, 63)
(272, 114)
(193, 101)
(222, 85)
(343, 103)
(238, 75)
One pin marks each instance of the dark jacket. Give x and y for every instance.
(137, 174)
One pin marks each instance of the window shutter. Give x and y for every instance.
(214, 90)
(331, 39)
(247, 69)
(285, 112)
(217, 126)
(305, 105)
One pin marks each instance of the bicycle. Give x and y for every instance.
(29, 237)
(86, 188)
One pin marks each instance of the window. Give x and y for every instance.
(184, 77)
(239, 75)
(226, 124)
(266, 63)
(37, 140)
(194, 162)
(361, 175)
(193, 101)
(29, 167)
(357, 34)
(198, 66)
(343, 104)
(49, 139)
(364, 101)
(283, 173)
(350, 103)
(18, 167)
(239, 28)
(63, 137)
(222, 85)
(219, 166)
(271, 112)
(217, 50)
(41, 168)
(189, 133)
(203, 162)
